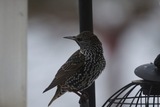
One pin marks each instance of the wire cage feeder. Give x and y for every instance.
(140, 93)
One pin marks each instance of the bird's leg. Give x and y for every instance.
(83, 97)
(79, 94)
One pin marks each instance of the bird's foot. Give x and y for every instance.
(83, 98)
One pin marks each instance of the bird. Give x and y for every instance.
(82, 68)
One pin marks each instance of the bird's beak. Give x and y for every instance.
(70, 37)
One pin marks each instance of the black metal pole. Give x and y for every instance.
(85, 15)
(86, 24)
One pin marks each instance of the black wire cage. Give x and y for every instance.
(140, 93)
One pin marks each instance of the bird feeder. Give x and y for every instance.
(140, 93)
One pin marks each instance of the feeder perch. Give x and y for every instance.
(140, 93)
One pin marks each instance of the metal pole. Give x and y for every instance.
(86, 24)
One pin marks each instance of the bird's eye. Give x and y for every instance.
(79, 39)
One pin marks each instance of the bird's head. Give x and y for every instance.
(85, 39)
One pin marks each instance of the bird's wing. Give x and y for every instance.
(72, 65)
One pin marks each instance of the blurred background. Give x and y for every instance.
(129, 31)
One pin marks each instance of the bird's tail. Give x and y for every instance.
(58, 93)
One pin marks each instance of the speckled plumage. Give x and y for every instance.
(82, 68)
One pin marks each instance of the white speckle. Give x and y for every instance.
(145, 67)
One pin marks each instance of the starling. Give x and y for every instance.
(82, 68)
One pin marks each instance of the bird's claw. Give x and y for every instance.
(84, 98)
